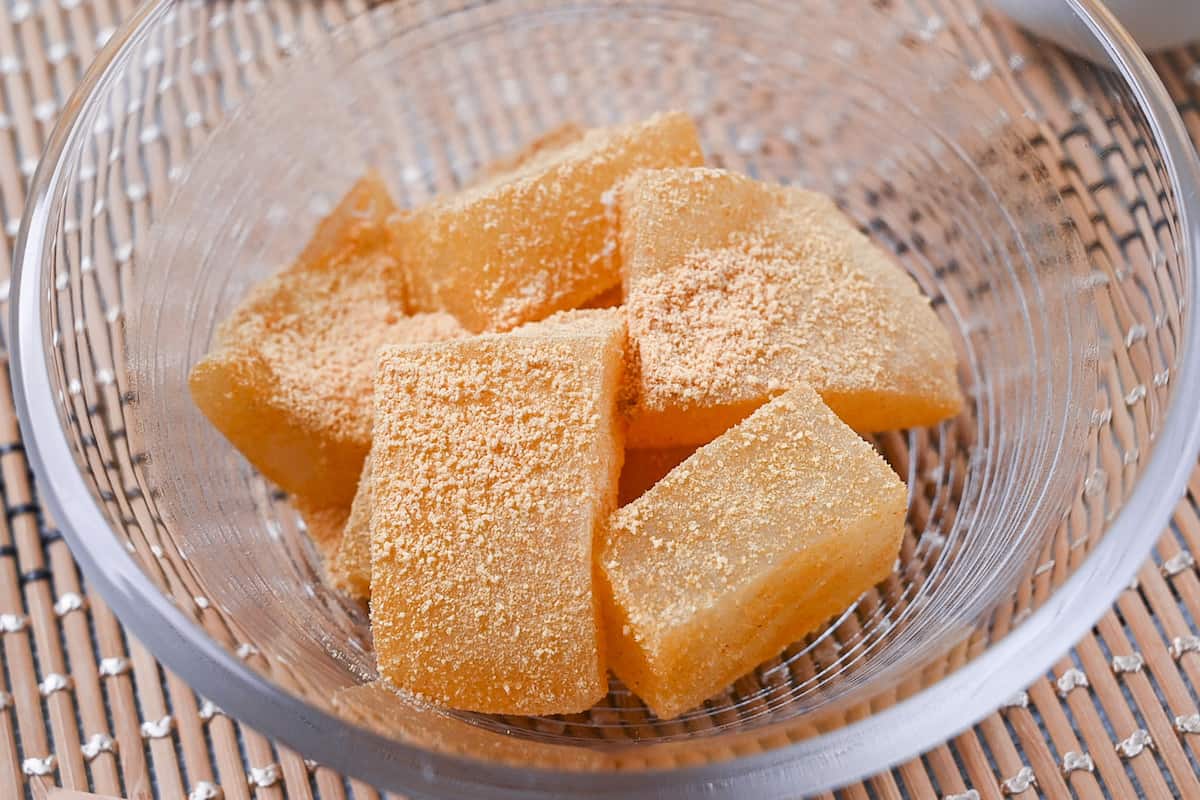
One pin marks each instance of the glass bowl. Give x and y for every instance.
(1050, 209)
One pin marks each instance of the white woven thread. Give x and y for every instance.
(263, 777)
(1181, 645)
(204, 790)
(68, 602)
(158, 729)
(1018, 700)
(1070, 680)
(113, 666)
(55, 682)
(1077, 762)
(96, 744)
(1189, 723)
(209, 709)
(1180, 562)
(1130, 663)
(1024, 780)
(39, 766)
(1137, 741)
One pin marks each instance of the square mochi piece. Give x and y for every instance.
(752, 542)
(737, 289)
(289, 379)
(350, 565)
(538, 237)
(494, 465)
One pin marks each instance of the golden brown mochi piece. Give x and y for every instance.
(539, 237)
(752, 542)
(289, 379)
(736, 289)
(349, 568)
(495, 461)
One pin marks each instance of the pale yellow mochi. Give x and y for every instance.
(539, 236)
(495, 462)
(735, 290)
(752, 542)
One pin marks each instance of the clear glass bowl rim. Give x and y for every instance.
(833, 759)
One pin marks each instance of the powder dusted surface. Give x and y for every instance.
(539, 237)
(754, 541)
(494, 463)
(603, 322)
(735, 290)
(349, 568)
(289, 380)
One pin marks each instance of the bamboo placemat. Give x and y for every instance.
(85, 707)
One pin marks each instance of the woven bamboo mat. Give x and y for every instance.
(85, 707)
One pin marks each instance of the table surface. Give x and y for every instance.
(85, 707)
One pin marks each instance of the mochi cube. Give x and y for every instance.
(752, 542)
(736, 290)
(539, 236)
(289, 379)
(494, 464)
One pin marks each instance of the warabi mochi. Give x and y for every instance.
(495, 461)
(752, 542)
(289, 379)
(736, 289)
(349, 567)
(538, 237)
